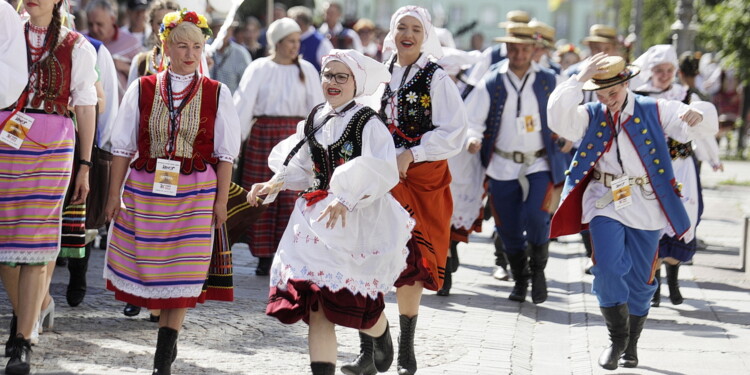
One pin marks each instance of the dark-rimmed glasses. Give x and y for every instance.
(340, 78)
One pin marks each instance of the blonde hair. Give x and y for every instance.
(186, 32)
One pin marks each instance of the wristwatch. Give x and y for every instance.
(85, 162)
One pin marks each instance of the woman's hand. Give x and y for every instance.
(474, 146)
(691, 117)
(82, 186)
(256, 190)
(403, 161)
(334, 210)
(220, 212)
(113, 207)
(590, 67)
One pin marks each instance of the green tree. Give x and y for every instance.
(657, 16)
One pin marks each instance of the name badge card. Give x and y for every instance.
(621, 192)
(528, 124)
(166, 178)
(15, 130)
(276, 184)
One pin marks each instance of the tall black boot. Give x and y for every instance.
(618, 324)
(630, 357)
(384, 350)
(20, 356)
(447, 283)
(165, 346)
(77, 284)
(13, 330)
(674, 284)
(656, 299)
(586, 238)
(537, 263)
(453, 261)
(519, 266)
(501, 261)
(364, 364)
(323, 368)
(407, 361)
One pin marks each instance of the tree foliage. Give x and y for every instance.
(725, 29)
(657, 17)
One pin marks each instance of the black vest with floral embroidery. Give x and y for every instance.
(414, 108)
(347, 147)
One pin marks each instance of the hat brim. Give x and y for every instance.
(598, 39)
(590, 85)
(513, 39)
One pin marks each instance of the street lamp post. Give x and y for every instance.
(684, 27)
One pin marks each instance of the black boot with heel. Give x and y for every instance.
(630, 356)
(618, 325)
(407, 360)
(166, 345)
(519, 267)
(674, 284)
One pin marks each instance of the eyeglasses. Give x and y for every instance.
(340, 78)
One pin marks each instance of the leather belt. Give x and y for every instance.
(606, 179)
(525, 159)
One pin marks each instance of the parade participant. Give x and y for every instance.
(545, 35)
(37, 149)
(426, 117)
(622, 186)
(508, 126)
(275, 93)
(231, 59)
(340, 36)
(496, 53)
(12, 43)
(659, 64)
(567, 55)
(148, 62)
(313, 44)
(183, 128)
(346, 223)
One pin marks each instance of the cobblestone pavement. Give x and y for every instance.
(476, 330)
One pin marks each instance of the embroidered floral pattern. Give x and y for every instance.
(425, 101)
(411, 97)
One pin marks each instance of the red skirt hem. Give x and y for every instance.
(417, 269)
(156, 303)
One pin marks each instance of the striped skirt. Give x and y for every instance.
(160, 246)
(264, 236)
(33, 181)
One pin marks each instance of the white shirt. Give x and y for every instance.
(324, 47)
(448, 114)
(271, 89)
(108, 78)
(480, 68)
(508, 140)
(645, 212)
(226, 129)
(13, 58)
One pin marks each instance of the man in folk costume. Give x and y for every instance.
(508, 126)
(622, 187)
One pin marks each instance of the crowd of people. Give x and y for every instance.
(351, 158)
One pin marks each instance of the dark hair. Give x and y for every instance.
(301, 73)
(689, 64)
(55, 27)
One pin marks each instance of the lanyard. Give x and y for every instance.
(616, 128)
(307, 136)
(174, 114)
(389, 94)
(518, 92)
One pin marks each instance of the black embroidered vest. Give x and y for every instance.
(414, 108)
(348, 147)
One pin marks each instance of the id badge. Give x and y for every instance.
(167, 176)
(15, 130)
(528, 124)
(621, 192)
(277, 182)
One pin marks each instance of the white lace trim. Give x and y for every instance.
(154, 292)
(26, 256)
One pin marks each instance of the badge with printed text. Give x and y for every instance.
(277, 182)
(621, 192)
(15, 130)
(166, 177)
(528, 124)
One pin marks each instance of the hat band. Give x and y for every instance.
(521, 36)
(624, 74)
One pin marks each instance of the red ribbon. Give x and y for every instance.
(315, 196)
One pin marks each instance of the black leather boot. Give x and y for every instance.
(447, 283)
(501, 261)
(407, 361)
(20, 357)
(656, 299)
(364, 364)
(453, 261)
(323, 368)
(77, 284)
(519, 267)
(131, 310)
(384, 350)
(586, 238)
(630, 357)
(618, 324)
(674, 284)
(264, 266)
(537, 263)
(165, 346)
(13, 331)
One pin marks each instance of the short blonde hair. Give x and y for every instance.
(186, 32)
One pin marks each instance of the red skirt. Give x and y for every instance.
(342, 307)
(265, 234)
(426, 194)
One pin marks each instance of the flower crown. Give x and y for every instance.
(171, 20)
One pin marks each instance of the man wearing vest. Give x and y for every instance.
(496, 53)
(508, 126)
(621, 186)
(313, 44)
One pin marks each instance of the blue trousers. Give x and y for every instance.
(514, 216)
(623, 264)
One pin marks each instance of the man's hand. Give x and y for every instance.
(691, 117)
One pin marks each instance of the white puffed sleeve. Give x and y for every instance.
(669, 115)
(299, 171)
(125, 128)
(226, 128)
(449, 119)
(12, 62)
(83, 74)
(477, 110)
(245, 97)
(364, 179)
(108, 78)
(570, 119)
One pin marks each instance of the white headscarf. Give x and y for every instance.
(454, 60)
(279, 29)
(431, 43)
(656, 55)
(368, 73)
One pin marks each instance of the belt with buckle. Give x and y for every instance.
(607, 178)
(521, 157)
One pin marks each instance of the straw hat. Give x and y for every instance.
(545, 33)
(617, 72)
(519, 16)
(601, 34)
(518, 33)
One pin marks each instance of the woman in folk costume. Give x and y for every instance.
(36, 154)
(345, 244)
(425, 115)
(659, 65)
(275, 93)
(183, 128)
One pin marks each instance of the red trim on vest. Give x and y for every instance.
(55, 94)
